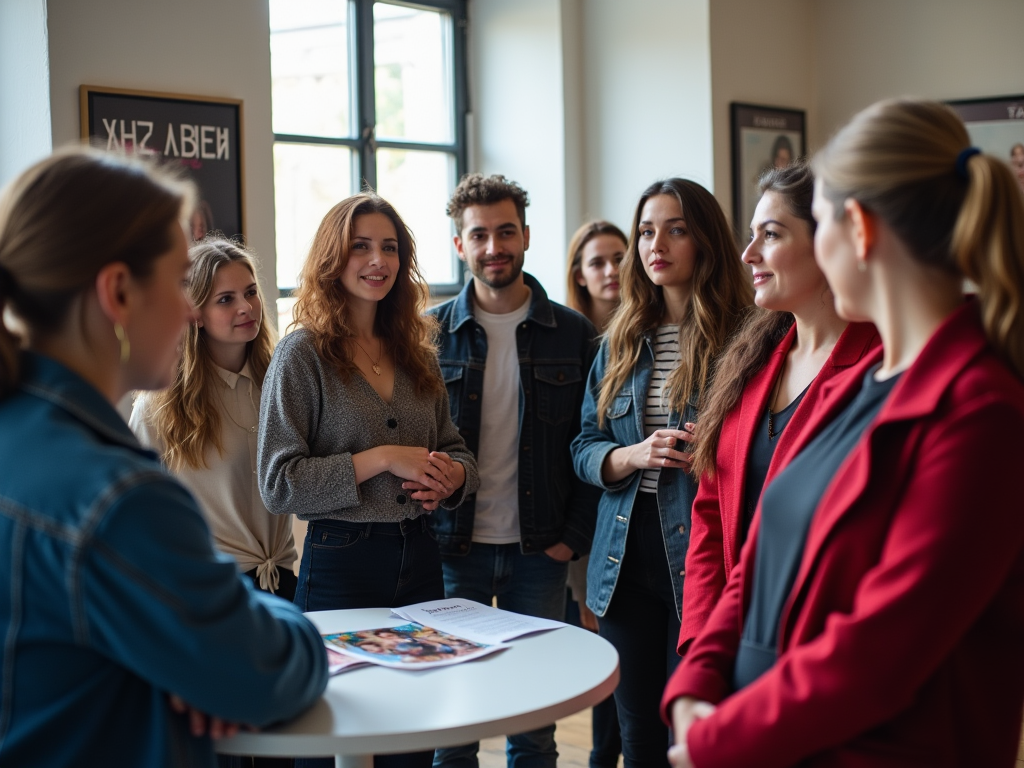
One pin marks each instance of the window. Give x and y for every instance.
(367, 93)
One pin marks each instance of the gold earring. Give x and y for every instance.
(126, 347)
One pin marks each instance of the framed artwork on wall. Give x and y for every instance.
(762, 138)
(996, 127)
(202, 133)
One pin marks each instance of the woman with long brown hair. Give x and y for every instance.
(766, 384)
(875, 617)
(356, 436)
(683, 292)
(596, 250)
(204, 424)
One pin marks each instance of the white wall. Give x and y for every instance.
(939, 49)
(199, 47)
(24, 89)
(517, 100)
(761, 53)
(647, 100)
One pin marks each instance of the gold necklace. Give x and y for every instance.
(373, 363)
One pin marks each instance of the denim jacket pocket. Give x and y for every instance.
(620, 405)
(557, 389)
(453, 381)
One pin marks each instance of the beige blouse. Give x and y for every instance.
(227, 489)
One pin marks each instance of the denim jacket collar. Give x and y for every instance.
(49, 380)
(540, 306)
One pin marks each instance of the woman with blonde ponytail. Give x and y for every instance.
(683, 293)
(121, 621)
(875, 617)
(205, 425)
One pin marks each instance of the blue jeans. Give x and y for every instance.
(642, 624)
(369, 565)
(529, 584)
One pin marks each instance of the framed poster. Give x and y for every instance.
(762, 138)
(203, 134)
(996, 127)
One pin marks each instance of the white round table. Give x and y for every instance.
(374, 710)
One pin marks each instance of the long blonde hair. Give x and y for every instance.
(577, 296)
(187, 416)
(322, 304)
(904, 160)
(63, 220)
(721, 293)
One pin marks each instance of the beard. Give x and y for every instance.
(500, 279)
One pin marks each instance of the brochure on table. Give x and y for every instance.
(438, 633)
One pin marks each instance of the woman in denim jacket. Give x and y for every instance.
(683, 292)
(114, 598)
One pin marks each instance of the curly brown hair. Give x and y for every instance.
(322, 302)
(477, 189)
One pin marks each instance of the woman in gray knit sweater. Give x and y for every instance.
(355, 432)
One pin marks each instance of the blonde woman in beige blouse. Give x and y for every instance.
(206, 425)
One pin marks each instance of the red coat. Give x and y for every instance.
(719, 505)
(902, 641)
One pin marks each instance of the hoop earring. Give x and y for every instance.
(122, 338)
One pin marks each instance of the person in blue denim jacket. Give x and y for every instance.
(683, 292)
(506, 350)
(123, 628)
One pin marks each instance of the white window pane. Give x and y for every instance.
(418, 184)
(308, 181)
(310, 67)
(412, 56)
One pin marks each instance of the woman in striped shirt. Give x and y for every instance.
(683, 292)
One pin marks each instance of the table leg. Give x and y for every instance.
(353, 761)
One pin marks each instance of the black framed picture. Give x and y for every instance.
(203, 134)
(762, 138)
(996, 127)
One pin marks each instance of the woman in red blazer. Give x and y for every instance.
(767, 382)
(899, 633)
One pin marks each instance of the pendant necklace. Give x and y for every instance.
(772, 434)
(373, 363)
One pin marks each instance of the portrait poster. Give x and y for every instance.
(996, 127)
(762, 138)
(202, 134)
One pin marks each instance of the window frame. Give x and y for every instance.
(365, 143)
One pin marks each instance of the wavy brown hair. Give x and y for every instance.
(761, 331)
(899, 159)
(577, 296)
(721, 293)
(187, 414)
(322, 303)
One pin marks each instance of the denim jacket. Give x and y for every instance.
(556, 347)
(676, 489)
(111, 597)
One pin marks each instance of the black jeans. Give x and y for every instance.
(642, 624)
(369, 565)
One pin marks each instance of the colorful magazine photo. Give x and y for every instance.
(408, 646)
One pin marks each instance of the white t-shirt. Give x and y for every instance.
(496, 520)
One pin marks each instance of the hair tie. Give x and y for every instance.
(962, 158)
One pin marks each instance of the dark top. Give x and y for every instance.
(787, 506)
(761, 452)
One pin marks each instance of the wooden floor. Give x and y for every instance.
(572, 736)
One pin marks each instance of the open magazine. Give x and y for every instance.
(458, 631)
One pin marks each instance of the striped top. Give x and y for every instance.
(666, 358)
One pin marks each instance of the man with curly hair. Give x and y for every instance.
(506, 349)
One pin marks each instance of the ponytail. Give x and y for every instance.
(988, 246)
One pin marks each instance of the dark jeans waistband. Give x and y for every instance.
(646, 502)
(408, 526)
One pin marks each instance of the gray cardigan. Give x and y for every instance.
(312, 422)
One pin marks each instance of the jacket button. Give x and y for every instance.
(682, 573)
(392, 422)
(463, 547)
(682, 529)
(401, 498)
(526, 448)
(560, 376)
(528, 493)
(472, 395)
(523, 326)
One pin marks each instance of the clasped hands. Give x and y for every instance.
(432, 476)
(686, 710)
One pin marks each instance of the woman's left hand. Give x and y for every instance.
(686, 710)
(432, 499)
(200, 723)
